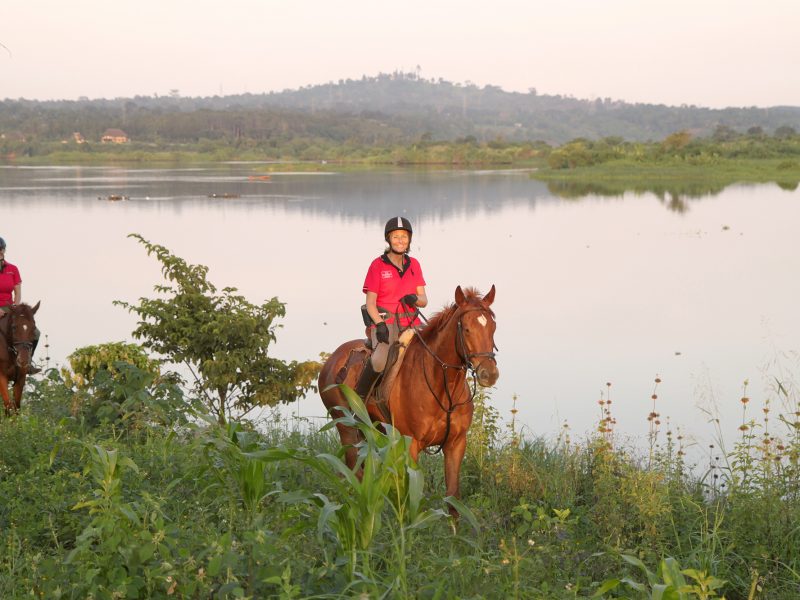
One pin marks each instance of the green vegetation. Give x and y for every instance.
(117, 481)
(386, 110)
(679, 166)
(194, 509)
(222, 339)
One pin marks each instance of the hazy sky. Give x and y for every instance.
(706, 52)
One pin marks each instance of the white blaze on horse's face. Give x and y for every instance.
(24, 328)
(482, 320)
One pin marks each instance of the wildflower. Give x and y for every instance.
(569, 587)
(505, 561)
(531, 542)
(745, 400)
(743, 427)
(654, 397)
(658, 380)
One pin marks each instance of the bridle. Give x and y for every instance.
(8, 334)
(466, 365)
(460, 341)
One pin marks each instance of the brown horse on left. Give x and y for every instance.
(17, 329)
(428, 397)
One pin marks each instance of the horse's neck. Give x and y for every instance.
(443, 345)
(5, 324)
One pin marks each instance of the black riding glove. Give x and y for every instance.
(409, 300)
(382, 332)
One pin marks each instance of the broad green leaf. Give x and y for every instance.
(464, 512)
(607, 585)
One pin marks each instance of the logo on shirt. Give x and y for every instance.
(386, 274)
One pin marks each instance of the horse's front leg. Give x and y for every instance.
(19, 384)
(453, 456)
(4, 393)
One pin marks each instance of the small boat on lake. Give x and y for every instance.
(226, 196)
(259, 177)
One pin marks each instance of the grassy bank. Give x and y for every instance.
(296, 154)
(679, 165)
(114, 494)
(682, 176)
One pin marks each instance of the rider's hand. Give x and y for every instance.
(409, 300)
(382, 332)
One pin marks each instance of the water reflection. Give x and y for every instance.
(674, 196)
(366, 197)
(587, 292)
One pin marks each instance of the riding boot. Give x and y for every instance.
(32, 368)
(368, 378)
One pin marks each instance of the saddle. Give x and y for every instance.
(380, 392)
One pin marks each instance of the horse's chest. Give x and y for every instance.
(430, 425)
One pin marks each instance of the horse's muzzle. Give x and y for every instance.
(487, 373)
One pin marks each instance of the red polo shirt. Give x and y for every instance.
(391, 284)
(9, 279)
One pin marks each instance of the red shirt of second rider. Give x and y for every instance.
(9, 279)
(391, 284)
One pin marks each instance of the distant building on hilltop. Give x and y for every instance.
(13, 136)
(114, 136)
(78, 138)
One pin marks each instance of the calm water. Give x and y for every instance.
(700, 291)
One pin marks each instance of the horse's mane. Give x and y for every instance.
(25, 309)
(439, 320)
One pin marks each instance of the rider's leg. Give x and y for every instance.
(33, 369)
(376, 363)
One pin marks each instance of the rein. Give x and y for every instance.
(466, 366)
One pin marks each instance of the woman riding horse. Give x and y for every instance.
(394, 287)
(426, 396)
(11, 294)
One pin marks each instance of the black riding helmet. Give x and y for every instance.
(396, 223)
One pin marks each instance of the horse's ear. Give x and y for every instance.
(489, 298)
(35, 308)
(460, 298)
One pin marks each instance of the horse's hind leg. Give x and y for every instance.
(349, 437)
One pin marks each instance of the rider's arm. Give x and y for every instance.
(422, 299)
(18, 293)
(372, 307)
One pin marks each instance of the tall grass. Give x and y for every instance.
(194, 510)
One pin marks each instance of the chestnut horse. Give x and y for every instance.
(17, 329)
(430, 399)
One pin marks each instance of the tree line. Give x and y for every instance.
(389, 108)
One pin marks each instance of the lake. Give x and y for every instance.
(698, 291)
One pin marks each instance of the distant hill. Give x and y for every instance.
(385, 109)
